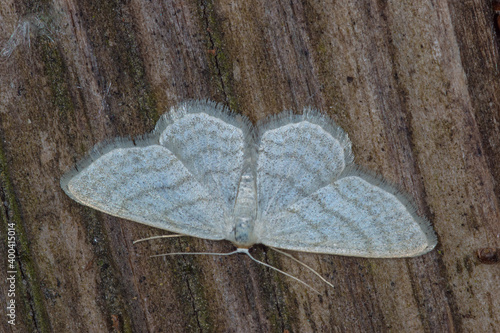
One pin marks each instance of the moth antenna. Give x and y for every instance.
(239, 250)
(156, 237)
(194, 253)
(300, 262)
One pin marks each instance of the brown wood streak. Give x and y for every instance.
(414, 83)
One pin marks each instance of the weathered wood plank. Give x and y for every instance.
(414, 83)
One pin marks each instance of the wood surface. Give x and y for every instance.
(414, 83)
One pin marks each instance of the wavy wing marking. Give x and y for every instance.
(352, 217)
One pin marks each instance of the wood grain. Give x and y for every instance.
(414, 83)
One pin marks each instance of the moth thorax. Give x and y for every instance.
(245, 210)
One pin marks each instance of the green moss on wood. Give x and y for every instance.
(28, 291)
(56, 73)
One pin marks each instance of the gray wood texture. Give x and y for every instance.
(414, 83)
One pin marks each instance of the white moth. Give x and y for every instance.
(289, 182)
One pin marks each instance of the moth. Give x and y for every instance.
(288, 182)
